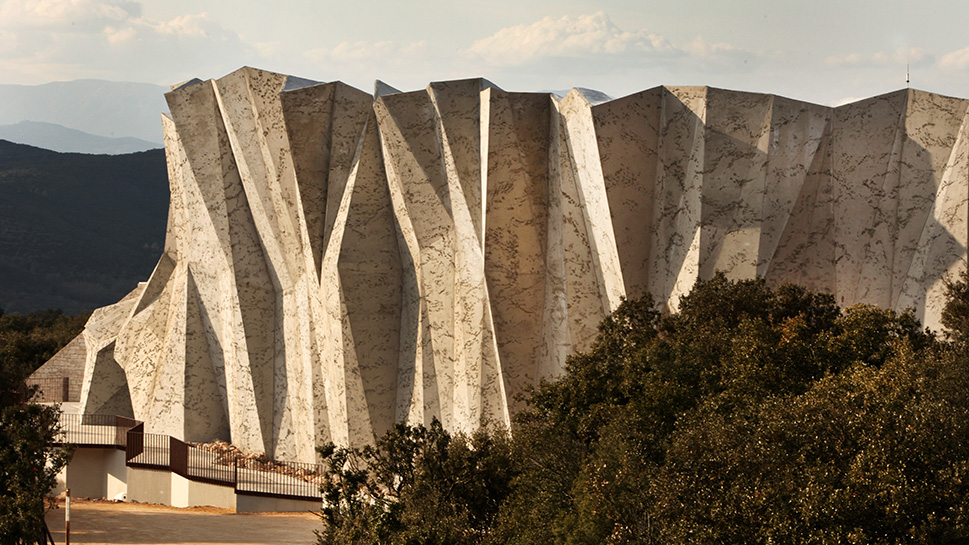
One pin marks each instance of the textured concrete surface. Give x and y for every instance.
(337, 262)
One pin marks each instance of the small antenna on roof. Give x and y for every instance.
(908, 79)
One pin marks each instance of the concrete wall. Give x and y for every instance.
(262, 504)
(85, 473)
(149, 485)
(95, 473)
(115, 474)
(186, 493)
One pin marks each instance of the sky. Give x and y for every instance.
(823, 51)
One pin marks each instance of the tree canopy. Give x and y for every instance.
(28, 462)
(751, 415)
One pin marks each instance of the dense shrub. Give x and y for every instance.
(28, 462)
(752, 415)
(417, 485)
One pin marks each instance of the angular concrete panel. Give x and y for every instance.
(337, 262)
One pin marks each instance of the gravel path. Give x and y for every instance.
(138, 523)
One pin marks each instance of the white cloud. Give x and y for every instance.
(850, 59)
(268, 49)
(913, 56)
(551, 53)
(8, 41)
(198, 25)
(119, 35)
(112, 39)
(75, 15)
(702, 49)
(594, 45)
(583, 36)
(383, 51)
(403, 65)
(722, 55)
(955, 60)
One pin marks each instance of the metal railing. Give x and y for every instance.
(95, 430)
(148, 450)
(125, 425)
(292, 480)
(279, 479)
(51, 390)
(200, 465)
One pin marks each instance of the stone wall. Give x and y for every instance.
(67, 362)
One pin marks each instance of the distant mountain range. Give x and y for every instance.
(102, 108)
(59, 138)
(78, 231)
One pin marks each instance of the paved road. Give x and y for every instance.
(137, 524)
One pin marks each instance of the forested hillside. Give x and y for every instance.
(77, 231)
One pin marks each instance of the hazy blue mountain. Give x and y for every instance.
(59, 138)
(102, 108)
(78, 231)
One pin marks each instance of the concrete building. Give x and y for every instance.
(337, 261)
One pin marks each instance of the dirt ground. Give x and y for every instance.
(98, 522)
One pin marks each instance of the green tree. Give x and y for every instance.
(28, 462)
(955, 315)
(752, 415)
(416, 485)
(868, 455)
(690, 433)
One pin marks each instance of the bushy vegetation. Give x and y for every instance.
(28, 462)
(750, 416)
(417, 485)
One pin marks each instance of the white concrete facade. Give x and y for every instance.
(336, 262)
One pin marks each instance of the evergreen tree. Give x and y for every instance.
(28, 462)
(751, 415)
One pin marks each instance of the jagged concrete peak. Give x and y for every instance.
(481, 83)
(184, 84)
(907, 93)
(246, 71)
(488, 84)
(381, 89)
(644, 92)
(592, 96)
(897, 94)
(294, 82)
(336, 84)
